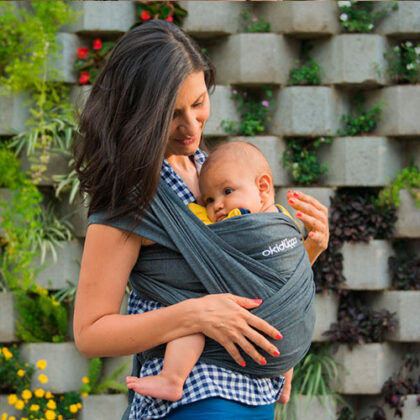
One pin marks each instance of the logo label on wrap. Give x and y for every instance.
(280, 247)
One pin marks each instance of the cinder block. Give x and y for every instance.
(402, 23)
(8, 319)
(273, 149)
(65, 365)
(366, 407)
(79, 95)
(326, 307)
(365, 369)
(408, 222)
(352, 59)
(67, 266)
(400, 115)
(365, 266)
(111, 364)
(5, 407)
(222, 108)
(413, 153)
(67, 49)
(254, 58)
(102, 17)
(300, 19)
(308, 111)
(13, 114)
(405, 304)
(319, 407)
(361, 161)
(208, 19)
(75, 213)
(104, 407)
(57, 165)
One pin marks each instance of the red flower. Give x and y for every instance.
(84, 78)
(145, 15)
(170, 19)
(97, 44)
(82, 52)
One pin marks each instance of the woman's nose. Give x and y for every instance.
(190, 125)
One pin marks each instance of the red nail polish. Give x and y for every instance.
(276, 353)
(279, 336)
(292, 201)
(298, 214)
(243, 364)
(289, 191)
(258, 301)
(296, 194)
(263, 361)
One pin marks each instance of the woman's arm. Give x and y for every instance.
(314, 216)
(100, 330)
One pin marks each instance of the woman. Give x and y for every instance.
(149, 105)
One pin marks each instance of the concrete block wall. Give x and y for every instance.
(350, 62)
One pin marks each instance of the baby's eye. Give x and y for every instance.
(228, 191)
(209, 201)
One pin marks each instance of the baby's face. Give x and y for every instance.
(227, 185)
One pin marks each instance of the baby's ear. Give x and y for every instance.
(265, 186)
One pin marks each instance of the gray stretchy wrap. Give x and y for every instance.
(258, 255)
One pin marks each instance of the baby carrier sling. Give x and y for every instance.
(260, 255)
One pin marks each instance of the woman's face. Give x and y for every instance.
(192, 109)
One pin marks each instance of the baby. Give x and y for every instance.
(235, 179)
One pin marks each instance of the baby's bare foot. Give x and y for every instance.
(159, 386)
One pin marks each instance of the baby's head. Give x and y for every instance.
(236, 174)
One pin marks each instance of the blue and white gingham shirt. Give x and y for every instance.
(205, 380)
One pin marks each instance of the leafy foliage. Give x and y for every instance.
(361, 120)
(40, 317)
(164, 10)
(362, 16)
(404, 62)
(254, 109)
(255, 24)
(307, 70)
(301, 160)
(358, 323)
(404, 268)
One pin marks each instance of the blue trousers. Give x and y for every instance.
(221, 409)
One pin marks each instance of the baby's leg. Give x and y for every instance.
(180, 357)
(285, 393)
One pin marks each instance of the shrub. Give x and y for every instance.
(404, 268)
(404, 62)
(254, 24)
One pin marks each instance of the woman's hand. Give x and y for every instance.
(314, 216)
(225, 318)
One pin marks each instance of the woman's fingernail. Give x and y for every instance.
(276, 353)
(279, 336)
(296, 194)
(263, 361)
(258, 301)
(289, 191)
(292, 201)
(298, 214)
(243, 364)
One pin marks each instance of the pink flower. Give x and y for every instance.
(145, 15)
(97, 44)
(265, 103)
(170, 19)
(82, 52)
(84, 78)
(234, 91)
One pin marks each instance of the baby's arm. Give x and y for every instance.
(285, 393)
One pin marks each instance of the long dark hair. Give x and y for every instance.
(125, 123)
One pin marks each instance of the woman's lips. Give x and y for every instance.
(188, 141)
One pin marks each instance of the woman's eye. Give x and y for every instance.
(228, 191)
(199, 104)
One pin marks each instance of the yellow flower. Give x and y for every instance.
(12, 398)
(79, 405)
(43, 378)
(60, 417)
(39, 392)
(34, 407)
(19, 404)
(50, 415)
(41, 364)
(21, 372)
(26, 394)
(3, 416)
(48, 395)
(12, 418)
(84, 394)
(7, 353)
(85, 380)
(51, 405)
(55, 303)
(73, 408)
(24, 418)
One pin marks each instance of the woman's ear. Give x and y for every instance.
(265, 186)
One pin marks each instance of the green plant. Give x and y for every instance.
(301, 160)
(362, 16)
(15, 375)
(307, 70)
(404, 62)
(254, 109)
(67, 293)
(361, 120)
(28, 40)
(254, 24)
(312, 377)
(408, 179)
(404, 267)
(164, 10)
(93, 385)
(40, 317)
(90, 61)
